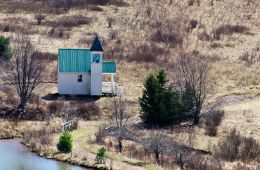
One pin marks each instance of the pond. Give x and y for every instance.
(15, 156)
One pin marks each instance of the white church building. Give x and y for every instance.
(80, 71)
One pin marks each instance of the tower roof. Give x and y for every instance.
(96, 45)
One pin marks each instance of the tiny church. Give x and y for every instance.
(80, 70)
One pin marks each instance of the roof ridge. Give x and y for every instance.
(74, 48)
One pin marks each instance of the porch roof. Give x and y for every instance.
(109, 67)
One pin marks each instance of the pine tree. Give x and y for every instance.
(65, 142)
(5, 48)
(159, 105)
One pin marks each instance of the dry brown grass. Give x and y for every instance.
(128, 38)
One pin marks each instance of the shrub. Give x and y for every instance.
(58, 33)
(46, 56)
(110, 21)
(65, 142)
(159, 105)
(5, 48)
(70, 21)
(212, 120)
(88, 111)
(167, 37)
(193, 24)
(235, 147)
(215, 45)
(249, 149)
(228, 149)
(38, 113)
(100, 135)
(6, 28)
(190, 2)
(101, 156)
(53, 107)
(250, 58)
(229, 30)
(146, 53)
(204, 36)
(39, 18)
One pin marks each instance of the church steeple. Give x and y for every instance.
(96, 45)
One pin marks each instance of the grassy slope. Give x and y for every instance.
(231, 74)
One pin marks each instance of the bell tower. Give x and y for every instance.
(96, 53)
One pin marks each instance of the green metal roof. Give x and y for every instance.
(109, 67)
(74, 60)
(78, 60)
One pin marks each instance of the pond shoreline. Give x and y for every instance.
(65, 158)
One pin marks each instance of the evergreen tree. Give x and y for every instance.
(159, 104)
(5, 48)
(65, 142)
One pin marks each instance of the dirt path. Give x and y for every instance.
(85, 150)
(232, 99)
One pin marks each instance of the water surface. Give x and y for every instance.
(15, 156)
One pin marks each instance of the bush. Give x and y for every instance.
(46, 56)
(70, 21)
(229, 30)
(6, 28)
(193, 24)
(5, 48)
(212, 120)
(39, 18)
(228, 149)
(53, 107)
(58, 33)
(101, 156)
(235, 147)
(167, 37)
(159, 105)
(204, 36)
(146, 53)
(249, 149)
(65, 142)
(190, 2)
(88, 111)
(100, 135)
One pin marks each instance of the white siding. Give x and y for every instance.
(68, 83)
(96, 79)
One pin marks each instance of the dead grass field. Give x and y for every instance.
(235, 57)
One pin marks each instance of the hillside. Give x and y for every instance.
(147, 35)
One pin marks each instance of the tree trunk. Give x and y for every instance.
(157, 157)
(196, 120)
(196, 117)
(120, 146)
(22, 105)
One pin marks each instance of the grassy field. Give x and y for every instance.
(145, 36)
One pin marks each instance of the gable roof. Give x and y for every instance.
(96, 45)
(79, 60)
(74, 60)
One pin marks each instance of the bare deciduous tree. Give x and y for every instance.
(191, 75)
(66, 4)
(26, 70)
(155, 143)
(121, 118)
